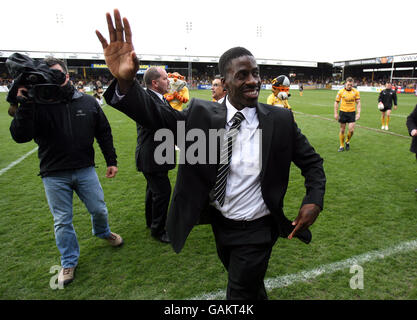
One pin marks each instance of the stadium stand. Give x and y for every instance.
(374, 72)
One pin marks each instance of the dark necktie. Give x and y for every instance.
(165, 101)
(225, 156)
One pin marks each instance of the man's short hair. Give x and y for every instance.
(50, 61)
(229, 55)
(217, 76)
(349, 79)
(151, 74)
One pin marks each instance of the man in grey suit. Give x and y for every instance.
(243, 199)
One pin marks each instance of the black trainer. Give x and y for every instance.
(347, 146)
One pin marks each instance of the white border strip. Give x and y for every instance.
(303, 276)
(17, 161)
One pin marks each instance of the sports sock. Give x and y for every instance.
(342, 139)
(382, 121)
(387, 121)
(349, 136)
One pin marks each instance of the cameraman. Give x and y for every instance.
(65, 133)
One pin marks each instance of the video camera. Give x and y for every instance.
(42, 83)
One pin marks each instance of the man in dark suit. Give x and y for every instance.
(158, 188)
(412, 130)
(242, 191)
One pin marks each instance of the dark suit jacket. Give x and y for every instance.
(411, 125)
(146, 145)
(282, 143)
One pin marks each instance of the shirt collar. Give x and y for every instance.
(157, 93)
(249, 113)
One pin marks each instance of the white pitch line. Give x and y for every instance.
(357, 125)
(399, 115)
(303, 276)
(17, 161)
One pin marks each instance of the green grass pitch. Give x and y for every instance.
(370, 205)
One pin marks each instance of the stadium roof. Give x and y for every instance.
(323, 30)
(378, 60)
(151, 57)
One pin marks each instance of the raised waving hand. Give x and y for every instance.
(120, 54)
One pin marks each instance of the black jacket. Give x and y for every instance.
(146, 145)
(282, 143)
(65, 133)
(411, 125)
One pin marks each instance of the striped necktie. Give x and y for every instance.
(225, 156)
(165, 101)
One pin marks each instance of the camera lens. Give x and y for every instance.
(33, 78)
(48, 93)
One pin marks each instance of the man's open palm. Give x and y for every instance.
(119, 53)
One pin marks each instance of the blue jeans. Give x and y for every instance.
(59, 189)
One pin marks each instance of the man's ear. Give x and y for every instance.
(223, 80)
(154, 84)
(67, 79)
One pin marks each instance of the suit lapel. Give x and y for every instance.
(154, 95)
(267, 126)
(219, 117)
(218, 122)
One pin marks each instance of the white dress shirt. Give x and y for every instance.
(160, 96)
(243, 199)
(117, 97)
